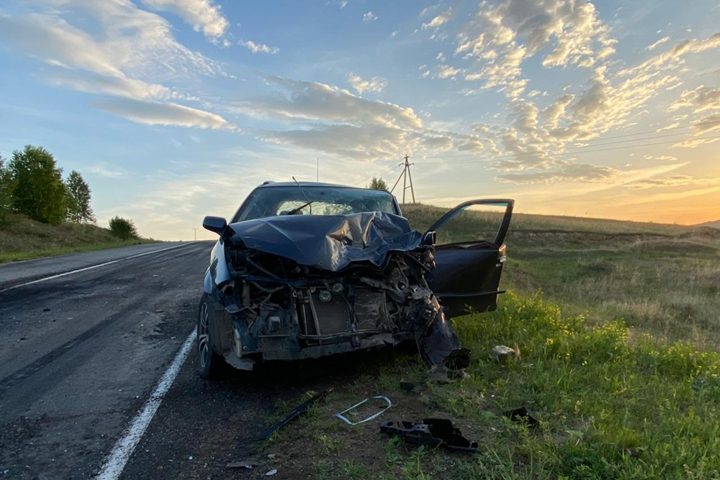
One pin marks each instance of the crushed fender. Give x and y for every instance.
(433, 432)
(295, 413)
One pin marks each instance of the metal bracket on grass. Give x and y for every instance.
(375, 415)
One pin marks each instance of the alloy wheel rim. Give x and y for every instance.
(203, 336)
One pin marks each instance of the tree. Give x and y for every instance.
(378, 184)
(123, 228)
(6, 186)
(38, 190)
(78, 199)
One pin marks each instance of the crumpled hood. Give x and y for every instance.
(329, 242)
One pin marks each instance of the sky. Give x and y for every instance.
(176, 109)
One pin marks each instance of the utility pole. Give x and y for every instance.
(195, 230)
(317, 169)
(405, 175)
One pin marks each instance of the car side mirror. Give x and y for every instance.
(215, 224)
(429, 238)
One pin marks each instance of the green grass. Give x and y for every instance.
(662, 279)
(422, 216)
(25, 239)
(619, 327)
(610, 406)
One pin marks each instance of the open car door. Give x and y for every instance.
(469, 263)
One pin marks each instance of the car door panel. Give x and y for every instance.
(468, 274)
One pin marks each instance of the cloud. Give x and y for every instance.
(120, 86)
(360, 142)
(171, 114)
(500, 37)
(120, 51)
(658, 43)
(201, 14)
(125, 41)
(374, 85)
(564, 172)
(672, 181)
(707, 124)
(441, 19)
(701, 99)
(106, 170)
(327, 103)
(369, 17)
(446, 71)
(258, 47)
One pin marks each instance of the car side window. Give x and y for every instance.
(476, 224)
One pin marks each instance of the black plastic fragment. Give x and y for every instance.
(294, 414)
(522, 415)
(458, 359)
(432, 432)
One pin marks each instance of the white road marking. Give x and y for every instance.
(52, 277)
(115, 463)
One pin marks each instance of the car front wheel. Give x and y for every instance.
(209, 363)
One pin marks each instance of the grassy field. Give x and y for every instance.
(617, 323)
(24, 239)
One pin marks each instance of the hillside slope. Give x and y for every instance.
(715, 224)
(22, 239)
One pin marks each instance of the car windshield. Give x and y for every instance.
(320, 200)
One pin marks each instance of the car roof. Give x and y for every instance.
(304, 184)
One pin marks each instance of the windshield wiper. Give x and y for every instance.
(296, 210)
(309, 202)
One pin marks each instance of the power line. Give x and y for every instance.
(477, 159)
(652, 137)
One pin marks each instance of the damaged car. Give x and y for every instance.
(307, 270)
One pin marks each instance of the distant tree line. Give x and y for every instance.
(32, 184)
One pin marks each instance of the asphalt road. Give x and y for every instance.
(79, 353)
(85, 340)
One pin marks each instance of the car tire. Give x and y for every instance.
(209, 364)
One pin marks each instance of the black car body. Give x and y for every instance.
(287, 283)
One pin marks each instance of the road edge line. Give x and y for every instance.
(124, 447)
(91, 267)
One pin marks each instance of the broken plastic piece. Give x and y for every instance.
(501, 353)
(295, 413)
(458, 359)
(432, 432)
(371, 417)
(522, 415)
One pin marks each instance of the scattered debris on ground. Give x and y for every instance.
(432, 432)
(295, 413)
(341, 415)
(522, 415)
(502, 354)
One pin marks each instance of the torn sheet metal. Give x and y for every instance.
(433, 432)
(342, 417)
(329, 242)
(295, 413)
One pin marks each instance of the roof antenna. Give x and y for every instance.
(303, 192)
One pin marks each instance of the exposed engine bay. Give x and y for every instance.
(358, 282)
